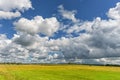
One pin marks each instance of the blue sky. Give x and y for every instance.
(60, 31)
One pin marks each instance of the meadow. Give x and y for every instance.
(58, 72)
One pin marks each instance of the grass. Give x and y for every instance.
(58, 72)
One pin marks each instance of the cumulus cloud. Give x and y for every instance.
(4, 41)
(100, 61)
(9, 15)
(98, 44)
(70, 15)
(25, 40)
(11, 9)
(114, 13)
(21, 5)
(47, 26)
(100, 39)
(19, 49)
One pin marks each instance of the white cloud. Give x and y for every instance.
(11, 9)
(101, 39)
(4, 41)
(46, 26)
(21, 49)
(114, 13)
(9, 15)
(70, 15)
(99, 43)
(21, 5)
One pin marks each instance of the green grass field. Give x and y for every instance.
(58, 72)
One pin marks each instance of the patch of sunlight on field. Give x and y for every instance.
(58, 72)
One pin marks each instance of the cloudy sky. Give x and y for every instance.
(45, 31)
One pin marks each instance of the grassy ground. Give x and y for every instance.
(58, 72)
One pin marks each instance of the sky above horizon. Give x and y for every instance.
(60, 31)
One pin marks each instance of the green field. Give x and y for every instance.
(58, 72)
